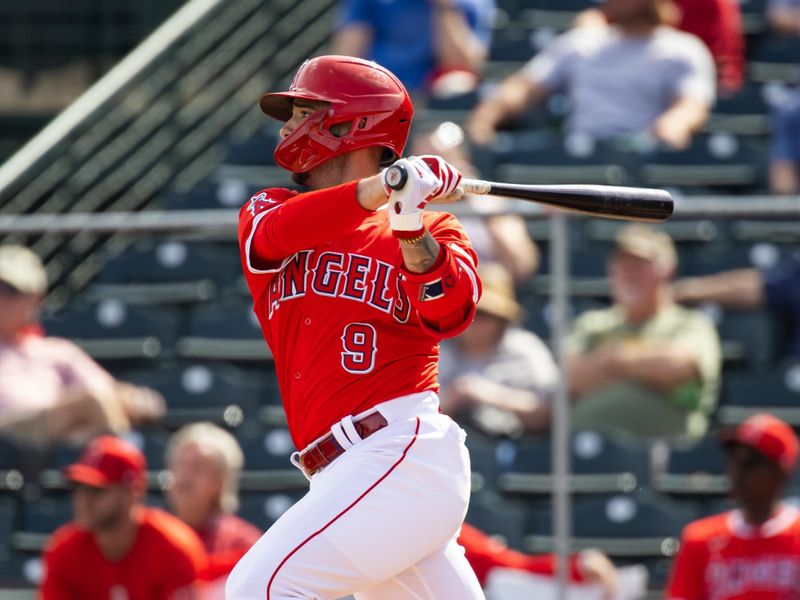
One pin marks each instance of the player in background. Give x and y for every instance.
(753, 552)
(353, 298)
(117, 548)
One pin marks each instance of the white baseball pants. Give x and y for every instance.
(380, 522)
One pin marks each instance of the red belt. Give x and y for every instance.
(325, 451)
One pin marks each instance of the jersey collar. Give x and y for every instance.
(777, 524)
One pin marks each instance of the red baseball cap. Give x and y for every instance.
(106, 460)
(770, 436)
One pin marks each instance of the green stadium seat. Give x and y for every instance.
(776, 391)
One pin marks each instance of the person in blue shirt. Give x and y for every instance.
(419, 40)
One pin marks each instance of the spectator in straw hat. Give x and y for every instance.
(645, 365)
(73, 397)
(496, 375)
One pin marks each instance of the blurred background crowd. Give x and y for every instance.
(142, 334)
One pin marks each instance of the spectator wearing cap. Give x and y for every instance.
(754, 550)
(775, 288)
(50, 390)
(116, 547)
(639, 76)
(205, 462)
(436, 46)
(784, 16)
(497, 376)
(645, 365)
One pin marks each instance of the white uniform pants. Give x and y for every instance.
(379, 523)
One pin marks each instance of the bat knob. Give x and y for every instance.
(396, 177)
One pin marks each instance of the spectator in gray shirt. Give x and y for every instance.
(639, 76)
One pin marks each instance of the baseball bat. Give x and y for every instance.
(609, 201)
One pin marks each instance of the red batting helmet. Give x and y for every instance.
(359, 91)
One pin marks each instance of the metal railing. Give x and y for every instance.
(155, 121)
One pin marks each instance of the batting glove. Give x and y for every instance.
(428, 178)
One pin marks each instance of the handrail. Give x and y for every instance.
(104, 89)
(198, 221)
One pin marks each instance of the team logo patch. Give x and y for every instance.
(253, 207)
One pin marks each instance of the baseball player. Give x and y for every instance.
(353, 295)
(753, 552)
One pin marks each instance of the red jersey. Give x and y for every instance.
(723, 558)
(349, 327)
(164, 563)
(484, 554)
(226, 539)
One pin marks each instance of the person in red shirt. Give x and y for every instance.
(205, 462)
(485, 554)
(354, 284)
(117, 548)
(753, 552)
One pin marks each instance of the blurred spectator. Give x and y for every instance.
(434, 46)
(784, 168)
(717, 22)
(784, 16)
(117, 548)
(497, 376)
(777, 289)
(205, 462)
(72, 398)
(639, 76)
(485, 554)
(645, 365)
(500, 238)
(753, 551)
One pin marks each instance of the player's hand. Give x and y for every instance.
(428, 178)
(448, 175)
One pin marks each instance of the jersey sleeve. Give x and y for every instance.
(686, 579)
(276, 223)
(445, 296)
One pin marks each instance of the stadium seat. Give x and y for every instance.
(776, 391)
(8, 523)
(600, 464)
(47, 514)
(525, 158)
(774, 58)
(267, 464)
(262, 510)
(497, 516)
(112, 330)
(695, 469)
(168, 272)
(557, 14)
(637, 525)
(745, 113)
(224, 332)
(719, 160)
(256, 150)
(754, 16)
(749, 339)
(196, 392)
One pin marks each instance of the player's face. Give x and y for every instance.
(756, 482)
(16, 310)
(196, 487)
(301, 109)
(629, 11)
(98, 508)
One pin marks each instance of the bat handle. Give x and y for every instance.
(395, 177)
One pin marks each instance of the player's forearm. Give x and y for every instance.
(370, 193)
(660, 366)
(513, 96)
(525, 404)
(742, 288)
(588, 371)
(420, 256)
(456, 44)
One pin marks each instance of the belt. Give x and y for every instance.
(328, 449)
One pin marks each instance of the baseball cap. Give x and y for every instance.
(648, 243)
(22, 269)
(768, 435)
(106, 460)
(498, 297)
